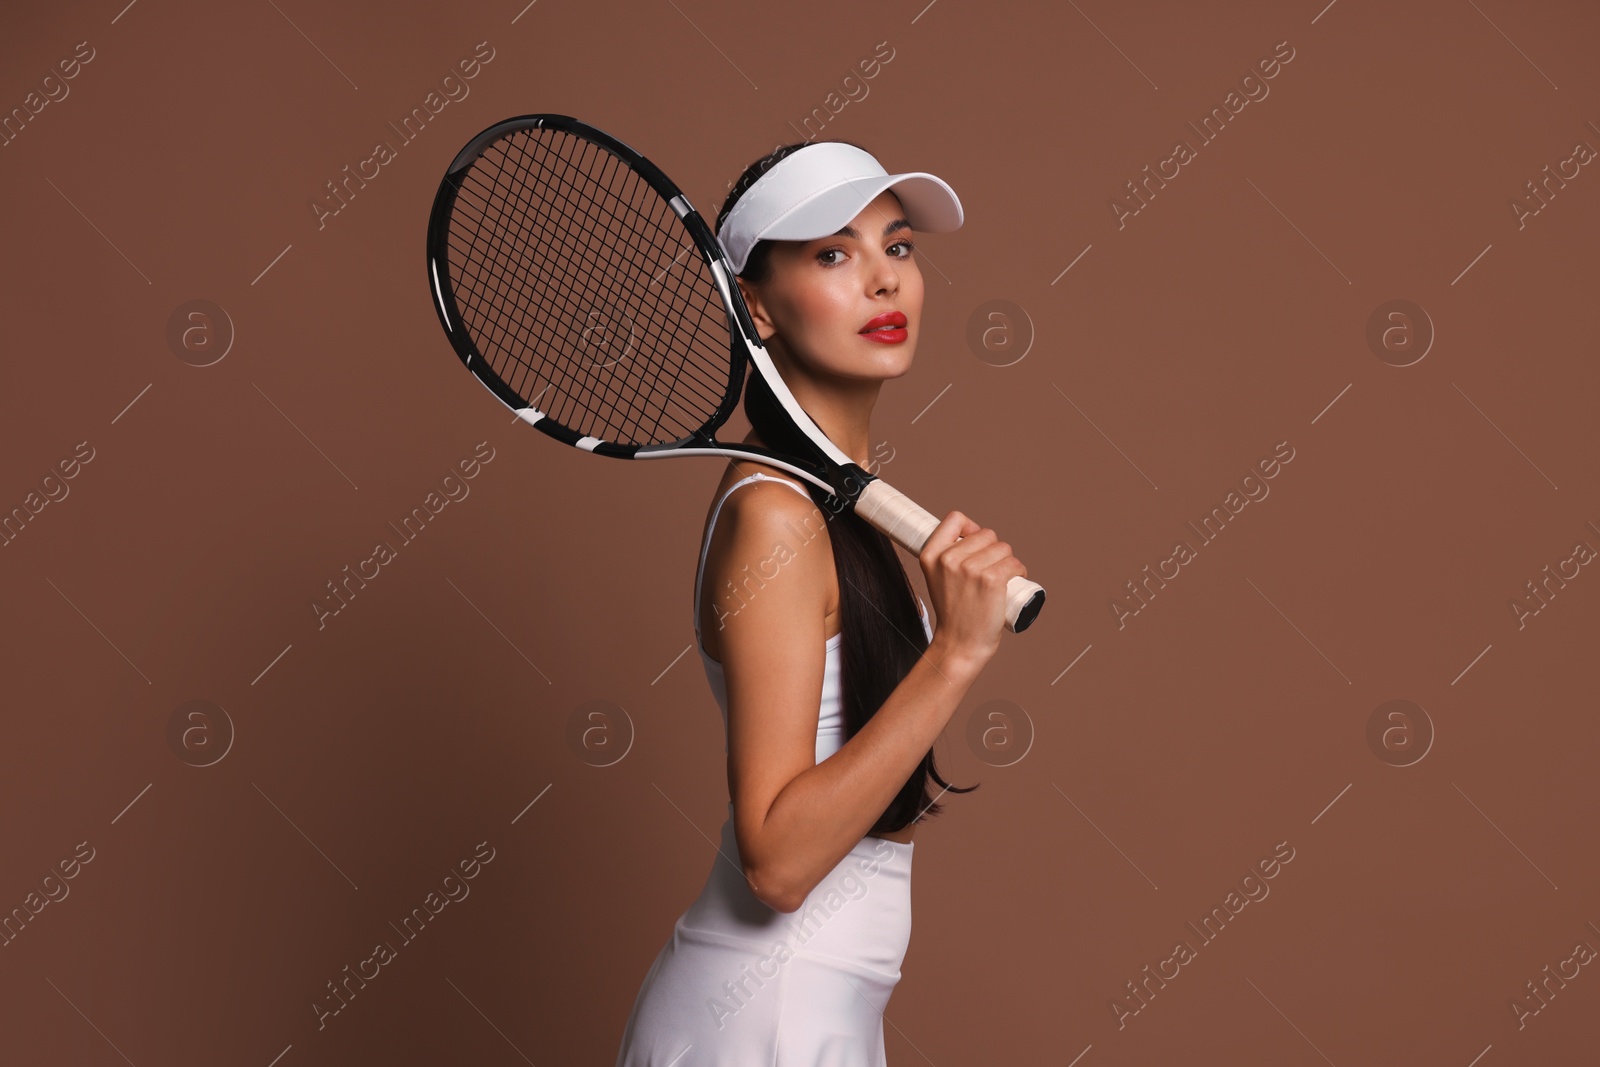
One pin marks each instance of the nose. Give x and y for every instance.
(884, 275)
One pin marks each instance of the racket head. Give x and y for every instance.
(578, 284)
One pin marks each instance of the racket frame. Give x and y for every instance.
(830, 470)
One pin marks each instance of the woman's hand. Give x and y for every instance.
(967, 568)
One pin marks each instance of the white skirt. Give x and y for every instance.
(741, 985)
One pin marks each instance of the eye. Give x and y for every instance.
(837, 251)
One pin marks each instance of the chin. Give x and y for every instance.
(902, 366)
(885, 368)
(899, 357)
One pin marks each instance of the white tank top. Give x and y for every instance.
(830, 716)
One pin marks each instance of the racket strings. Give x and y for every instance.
(566, 204)
(583, 276)
(568, 268)
(698, 291)
(515, 266)
(642, 198)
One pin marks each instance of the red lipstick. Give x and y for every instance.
(888, 328)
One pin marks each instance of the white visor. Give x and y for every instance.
(816, 190)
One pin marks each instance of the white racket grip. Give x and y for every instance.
(909, 525)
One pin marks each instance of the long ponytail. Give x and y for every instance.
(879, 620)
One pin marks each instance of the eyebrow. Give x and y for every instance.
(894, 224)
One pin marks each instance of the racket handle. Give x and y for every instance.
(909, 525)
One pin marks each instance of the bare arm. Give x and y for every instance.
(794, 819)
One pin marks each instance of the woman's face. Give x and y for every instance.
(821, 295)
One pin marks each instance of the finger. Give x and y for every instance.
(951, 528)
(964, 549)
(989, 554)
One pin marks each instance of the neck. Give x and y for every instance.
(841, 407)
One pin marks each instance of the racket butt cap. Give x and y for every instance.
(1028, 612)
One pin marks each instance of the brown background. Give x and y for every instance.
(362, 760)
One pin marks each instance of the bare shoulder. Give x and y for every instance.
(764, 526)
(764, 505)
(769, 559)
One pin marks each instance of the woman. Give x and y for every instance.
(833, 683)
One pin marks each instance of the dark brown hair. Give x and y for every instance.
(879, 621)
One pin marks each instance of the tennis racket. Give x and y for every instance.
(577, 283)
